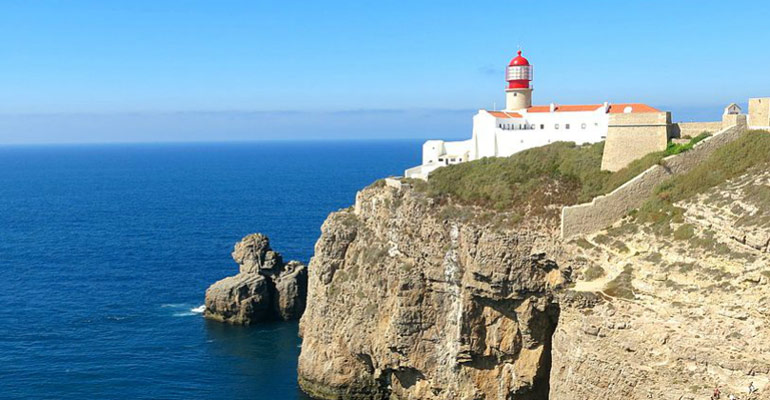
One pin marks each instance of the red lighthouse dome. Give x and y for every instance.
(519, 60)
(519, 73)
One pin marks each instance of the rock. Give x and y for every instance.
(660, 277)
(264, 289)
(290, 291)
(239, 299)
(459, 311)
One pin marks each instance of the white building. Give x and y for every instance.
(522, 126)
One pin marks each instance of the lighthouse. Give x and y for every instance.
(518, 94)
(521, 126)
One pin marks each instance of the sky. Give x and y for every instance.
(229, 70)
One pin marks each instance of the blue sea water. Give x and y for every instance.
(105, 250)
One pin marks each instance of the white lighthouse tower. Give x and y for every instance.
(518, 94)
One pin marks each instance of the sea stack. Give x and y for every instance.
(265, 288)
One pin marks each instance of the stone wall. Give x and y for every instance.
(605, 210)
(729, 120)
(759, 112)
(632, 136)
(693, 129)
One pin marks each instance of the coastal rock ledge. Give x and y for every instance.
(265, 289)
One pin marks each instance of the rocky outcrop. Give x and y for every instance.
(266, 288)
(412, 299)
(415, 298)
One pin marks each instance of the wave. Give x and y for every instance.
(173, 305)
(193, 311)
(199, 310)
(183, 314)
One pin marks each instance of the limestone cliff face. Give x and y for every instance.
(671, 315)
(409, 299)
(413, 299)
(265, 288)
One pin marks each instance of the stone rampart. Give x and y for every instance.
(759, 112)
(605, 210)
(693, 129)
(632, 136)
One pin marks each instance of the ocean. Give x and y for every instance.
(106, 252)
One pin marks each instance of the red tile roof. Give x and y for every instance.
(635, 108)
(504, 114)
(614, 108)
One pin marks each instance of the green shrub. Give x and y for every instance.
(593, 273)
(674, 148)
(622, 286)
(583, 243)
(602, 239)
(684, 232)
(654, 258)
(620, 246)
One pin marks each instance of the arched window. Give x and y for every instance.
(556, 126)
(583, 125)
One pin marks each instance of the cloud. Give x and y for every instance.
(490, 70)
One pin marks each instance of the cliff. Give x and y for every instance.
(413, 295)
(671, 311)
(410, 298)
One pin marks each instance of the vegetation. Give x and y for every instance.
(674, 148)
(758, 196)
(583, 243)
(684, 232)
(621, 286)
(752, 150)
(530, 181)
(593, 273)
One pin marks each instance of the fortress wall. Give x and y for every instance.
(693, 129)
(729, 120)
(759, 112)
(632, 136)
(605, 210)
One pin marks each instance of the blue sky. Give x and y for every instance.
(190, 70)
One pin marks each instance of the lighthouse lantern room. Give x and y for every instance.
(518, 93)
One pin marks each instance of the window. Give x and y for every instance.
(542, 126)
(583, 125)
(566, 126)
(440, 159)
(556, 126)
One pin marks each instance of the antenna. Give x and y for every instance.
(494, 105)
